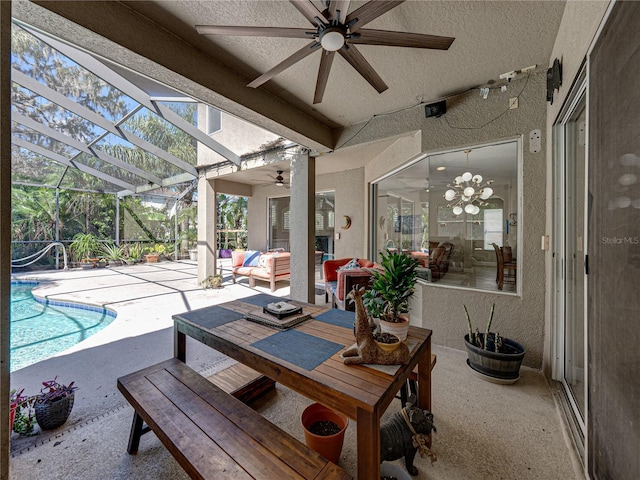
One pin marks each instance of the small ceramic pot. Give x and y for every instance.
(399, 329)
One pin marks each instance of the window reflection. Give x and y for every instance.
(414, 213)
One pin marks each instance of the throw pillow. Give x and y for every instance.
(353, 263)
(265, 259)
(251, 258)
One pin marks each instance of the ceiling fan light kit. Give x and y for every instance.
(336, 31)
(332, 39)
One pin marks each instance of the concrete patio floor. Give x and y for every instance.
(484, 430)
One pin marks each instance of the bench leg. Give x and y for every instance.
(137, 430)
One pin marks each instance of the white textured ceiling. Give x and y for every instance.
(491, 38)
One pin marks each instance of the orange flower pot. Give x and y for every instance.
(329, 446)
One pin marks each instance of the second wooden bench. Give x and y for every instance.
(212, 434)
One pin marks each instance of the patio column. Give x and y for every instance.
(207, 221)
(5, 231)
(302, 227)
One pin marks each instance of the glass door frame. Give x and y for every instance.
(560, 266)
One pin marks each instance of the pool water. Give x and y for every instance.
(39, 330)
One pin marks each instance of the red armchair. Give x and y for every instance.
(338, 283)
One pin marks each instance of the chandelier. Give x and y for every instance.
(467, 194)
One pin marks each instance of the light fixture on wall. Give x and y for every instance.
(467, 194)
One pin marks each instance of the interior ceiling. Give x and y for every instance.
(491, 38)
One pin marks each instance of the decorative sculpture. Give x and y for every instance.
(366, 350)
(405, 433)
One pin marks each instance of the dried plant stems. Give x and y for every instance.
(486, 333)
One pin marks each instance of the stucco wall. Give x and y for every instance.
(469, 121)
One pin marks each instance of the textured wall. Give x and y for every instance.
(469, 121)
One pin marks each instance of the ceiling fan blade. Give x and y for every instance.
(309, 10)
(233, 30)
(323, 75)
(286, 63)
(339, 5)
(370, 11)
(402, 39)
(364, 68)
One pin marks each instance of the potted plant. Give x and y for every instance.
(115, 254)
(15, 400)
(492, 356)
(84, 247)
(394, 283)
(154, 253)
(22, 418)
(54, 403)
(212, 281)
(134, 252)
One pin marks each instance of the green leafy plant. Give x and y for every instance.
(134, 252)
(84, 246)
(373, 303)
(395, 282)
(113, 252)
(157, 249)
(24, 420)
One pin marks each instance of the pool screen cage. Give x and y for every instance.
(99, 149)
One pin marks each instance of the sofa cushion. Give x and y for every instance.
(237, 258)
(265, 260)
(245, 271)
(352, 264)
(251, 258)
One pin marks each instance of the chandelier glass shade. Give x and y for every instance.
(468, 193)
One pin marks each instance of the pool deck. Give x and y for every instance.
(516, 429)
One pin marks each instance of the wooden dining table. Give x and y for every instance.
(306, 358)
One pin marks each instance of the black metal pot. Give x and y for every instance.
(503, 366)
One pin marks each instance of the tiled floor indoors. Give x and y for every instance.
(485, 431)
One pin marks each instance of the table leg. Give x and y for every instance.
(368, 438)
(424, 378)
(179, 345)
(424, 382)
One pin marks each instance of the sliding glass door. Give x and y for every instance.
(570, 248)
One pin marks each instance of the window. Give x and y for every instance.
(431, 203)
(278, 220)
(213, 122)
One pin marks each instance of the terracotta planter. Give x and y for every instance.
(12, 415)
(151, 257)
(328, 446)
(398, 329)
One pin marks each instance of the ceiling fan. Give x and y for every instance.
(280, 180)
(336, 30)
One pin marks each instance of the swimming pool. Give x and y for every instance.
(40, 330)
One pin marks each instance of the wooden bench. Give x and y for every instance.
(212, 434)
(243, 382)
